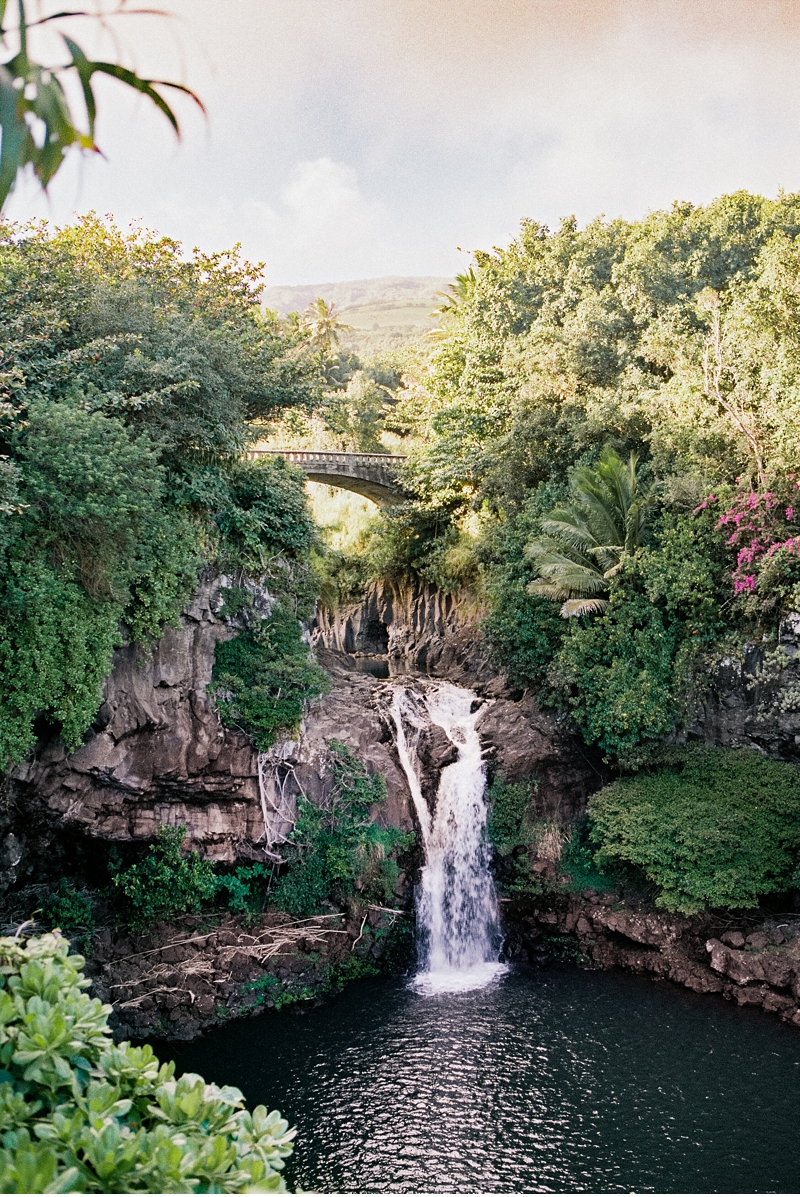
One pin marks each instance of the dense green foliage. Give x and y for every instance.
(263, 676)
(166, 882)
(79, 1113)
(670, 341)
(511, 822)
(579, 865)
(713, 827)
(70, 910)
(130, 381)
(337, 845)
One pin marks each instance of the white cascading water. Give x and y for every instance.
(457, 912)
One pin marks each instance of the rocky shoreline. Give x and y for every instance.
(180, 979)
(753, 962)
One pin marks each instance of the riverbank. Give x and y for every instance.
(179, 979)
(750, 961)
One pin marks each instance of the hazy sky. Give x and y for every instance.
(355, 138)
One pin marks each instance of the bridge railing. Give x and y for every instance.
(324, 457)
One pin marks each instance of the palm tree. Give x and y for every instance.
(585, 542)
(456, 293)
(324, 325)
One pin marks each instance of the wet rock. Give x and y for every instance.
(694, 952)
(524, 742)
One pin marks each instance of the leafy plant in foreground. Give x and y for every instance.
(32, 94)
(81, 1114)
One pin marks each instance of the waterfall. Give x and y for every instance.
(457, 915)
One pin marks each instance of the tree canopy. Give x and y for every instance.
(671, 341)
(132, 380)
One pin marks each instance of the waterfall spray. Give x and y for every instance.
(457, 914)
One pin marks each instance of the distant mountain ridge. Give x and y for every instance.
(394, 291)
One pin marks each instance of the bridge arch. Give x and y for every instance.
(372, 475)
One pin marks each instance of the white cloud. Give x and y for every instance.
(325, 229)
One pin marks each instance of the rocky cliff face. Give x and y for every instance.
(752, 700)
(414, 624)
(157, 752)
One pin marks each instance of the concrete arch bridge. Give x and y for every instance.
(373, 475)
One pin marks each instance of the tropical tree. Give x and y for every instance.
(456, 293)
(322, 322)
(38, 125)
(586, 541)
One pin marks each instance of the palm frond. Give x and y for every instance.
(585, 543)
(593, 606)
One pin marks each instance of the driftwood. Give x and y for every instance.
(214, 966)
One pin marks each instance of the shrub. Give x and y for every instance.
(763, 529)
(79, 1114)
(713, 828)
(69, 910)
(263, 677)
(166, 882)
(336, 845)
(628, 675)
(616, 673)
(511, 821)
(578, 862)
(246, 887)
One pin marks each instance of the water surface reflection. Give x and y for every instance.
(551, 1081)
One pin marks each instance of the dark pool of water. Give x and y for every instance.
(554, 1081)
(377, 666)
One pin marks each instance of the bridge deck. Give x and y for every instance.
(369, 474)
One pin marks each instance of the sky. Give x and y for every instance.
(358, 138)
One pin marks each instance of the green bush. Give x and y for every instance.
(714, 827)
(166, 882)
(578, 862)
(80, 1114)
(69, 910)
(336, 846)
(263, 677)
(246, 887)
(523, 630)
(628, 675)
(511, 822)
